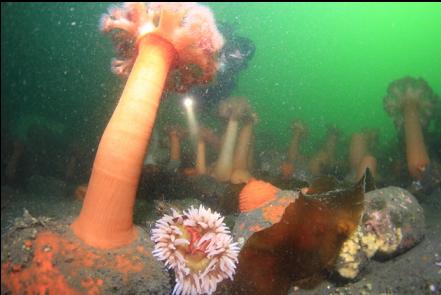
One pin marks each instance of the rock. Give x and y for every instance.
(395, 218)
(392, 223)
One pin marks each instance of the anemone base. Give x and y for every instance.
(41, 256)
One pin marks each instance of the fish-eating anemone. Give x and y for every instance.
(196, 244)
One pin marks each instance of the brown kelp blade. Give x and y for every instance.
(323, 184)
(303, 246)
(369, 181)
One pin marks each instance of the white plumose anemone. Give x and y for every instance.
(198, 246)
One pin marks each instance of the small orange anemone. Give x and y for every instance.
(255, 194)
(190, 171)
(299, 131)
(287, 169)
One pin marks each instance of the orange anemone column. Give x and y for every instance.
(416, 153)
(201, 166)
(106, 220)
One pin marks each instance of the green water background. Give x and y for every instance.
(321, 62)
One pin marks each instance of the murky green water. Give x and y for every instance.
(331, 63)
(324, 63)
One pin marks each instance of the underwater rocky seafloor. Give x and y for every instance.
(299, 230)
(48, 202)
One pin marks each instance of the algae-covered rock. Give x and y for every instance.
(392, 223)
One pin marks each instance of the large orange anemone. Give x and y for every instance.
(410, 102)
(155, 41)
